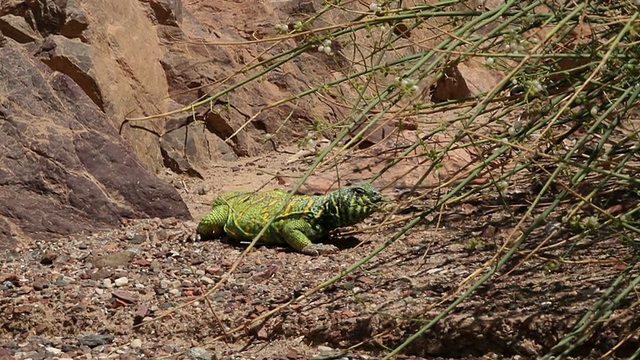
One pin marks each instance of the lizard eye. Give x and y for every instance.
(359, 191)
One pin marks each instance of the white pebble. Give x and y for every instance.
(323, 348)
(435, 271)
(121, 281)
(53, 350)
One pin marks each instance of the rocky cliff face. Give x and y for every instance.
(69, 72)
(63, 167)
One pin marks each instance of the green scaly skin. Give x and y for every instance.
(242, 214)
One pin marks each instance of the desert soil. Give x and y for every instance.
(137, 291)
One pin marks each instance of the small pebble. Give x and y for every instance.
(48, 257)
(53, 350)
(173, 253)
(159, 290)
(168, 305)
(206, 280)
(39, 285)
(175, 292)
(107, 283)
(68, 348)
(199, 353)
(95, 340)
(213, 270)
(121, 281)
(138, 239)
(136, 344)
(435, 271)
(202, 190)
(61, 281)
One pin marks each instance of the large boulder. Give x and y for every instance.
(63, 167)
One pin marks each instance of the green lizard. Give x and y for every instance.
(242, 214)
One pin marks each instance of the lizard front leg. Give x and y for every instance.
(294, 234)
(212, 225)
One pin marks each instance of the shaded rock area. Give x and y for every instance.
(63, 167)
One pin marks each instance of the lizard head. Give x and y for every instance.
(352, 204)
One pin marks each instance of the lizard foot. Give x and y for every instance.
(319, 249)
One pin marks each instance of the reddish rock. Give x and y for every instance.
(22, 309)
(6, 354)
(114, 259)
(141, 311)
(213, 270)
(450, 86)
(40, 284)
(48, 257)
(367, 134)
(126, 296)
(12, 278)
